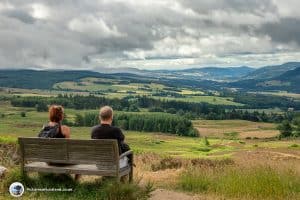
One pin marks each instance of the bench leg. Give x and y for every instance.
(131, 174)
(77, 176)
(131, 169)
(23, 172)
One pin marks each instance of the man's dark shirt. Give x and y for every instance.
(105, 131)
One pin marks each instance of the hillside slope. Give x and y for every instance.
(270, 72)
(287, 81)
(32, 79)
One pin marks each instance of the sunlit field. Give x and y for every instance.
(228, 153)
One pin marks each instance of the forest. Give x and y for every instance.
(189, 110)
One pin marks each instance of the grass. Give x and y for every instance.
(14, 125)
(96, 189)
(8, 140)
(170, 154)
(231, 135)
(261, 182)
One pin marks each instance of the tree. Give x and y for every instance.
(133, 108)
(41, 107)
(296, 131)
(79, 121)
(171, 110)
(23, 114)
(285, 129)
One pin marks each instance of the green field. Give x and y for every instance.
(13, 125)
(173, 162)
(107, 85)
(283, 93)
(207, 99)
(113, 88)
(235, 129)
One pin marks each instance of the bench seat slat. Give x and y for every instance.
(85, 169)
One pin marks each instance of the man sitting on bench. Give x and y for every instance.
(105, 130)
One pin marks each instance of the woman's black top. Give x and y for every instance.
(51, 131)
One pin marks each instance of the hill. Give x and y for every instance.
(205, 73)
(32, 79)
(270, 72)
(270, 78)
(286, 81)
(218, 73)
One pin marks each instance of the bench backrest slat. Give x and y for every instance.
(104, 153)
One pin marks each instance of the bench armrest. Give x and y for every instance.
(127, 153)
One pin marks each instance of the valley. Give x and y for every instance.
(191, 136)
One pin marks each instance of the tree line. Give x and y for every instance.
(262, 101)
(148, 122)
(189, 110)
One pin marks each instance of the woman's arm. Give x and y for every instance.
(66, 131)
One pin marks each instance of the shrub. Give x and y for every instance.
(23, 114)
(285, 129)
(294, 145)
(167, 163)
(204, 149)
(156, 109)
(231, 135)
(171, 110)
(205, 141)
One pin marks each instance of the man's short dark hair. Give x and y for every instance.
(106, 113)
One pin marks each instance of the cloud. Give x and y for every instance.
(287, 30)
(20, 15)
(93, 27)
(83, 34)
(39, 11)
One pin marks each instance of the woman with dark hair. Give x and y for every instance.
(55, 129)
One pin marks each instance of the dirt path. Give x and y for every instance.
(161, 194)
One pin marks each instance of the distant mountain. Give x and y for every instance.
(292, 75)
(279, 77)
(291, 79)
(131, 70)
(287, 81)
(269, 72)
(206, 73)
(32, 79)
(218, 73)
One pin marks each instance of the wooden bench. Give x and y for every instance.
(86, 157)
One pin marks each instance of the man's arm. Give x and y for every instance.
(120, 135)
(93, 133)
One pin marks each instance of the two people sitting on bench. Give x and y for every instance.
(105, 130)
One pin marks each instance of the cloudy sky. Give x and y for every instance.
(148, 34)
